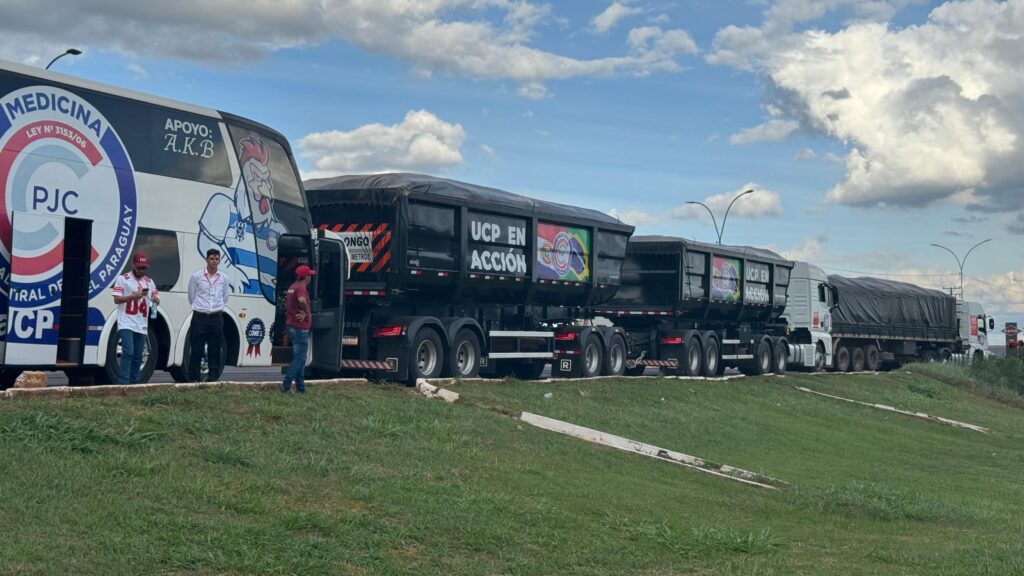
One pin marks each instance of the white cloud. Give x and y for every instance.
(475, 38)
(761, 203)
(804, 154)
(809, 250)
(611, 16)
(927, 111)
(422, 142)
(138, 71)
(771, 131)
(488, 151)
(637, 218)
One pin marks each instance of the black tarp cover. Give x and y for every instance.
(390, 189)
(887, 304)
(671, 245)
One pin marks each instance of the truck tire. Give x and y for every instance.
(780, 358)
(689, 362)
(762, 358)
(464, 360)
(615, 357)
(872, 358)
(592, 360)
(819, 357)
(857, 360)
(842, 359)
(426, 356)
(111, 371)
(529, 369)
(711, 359)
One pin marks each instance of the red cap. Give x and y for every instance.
(140, 260)
(303, 271)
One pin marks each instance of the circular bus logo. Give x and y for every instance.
(59, 156)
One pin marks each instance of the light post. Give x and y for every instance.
(718, 232)
(71, 51)
(960, 262)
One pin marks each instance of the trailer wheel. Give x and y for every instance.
(615, 358)
(464, 361)
(945, 355)
(529, 369)
(112, 369)
(763, 358)
(857, 362)
(819, 357)
(780, 357)
(842, 359)
(592, 360)
(689, 364)
(872, 358)
(710, 359)
(425, 361)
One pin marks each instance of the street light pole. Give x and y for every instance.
(960, 262)
(71, 51)
(718, 232)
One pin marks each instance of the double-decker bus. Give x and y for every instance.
(91, 174)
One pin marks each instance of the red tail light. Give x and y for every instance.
(387, 331)
(672, 340)
(565, 337)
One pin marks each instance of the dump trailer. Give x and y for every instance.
(691, 308)
(449, 278)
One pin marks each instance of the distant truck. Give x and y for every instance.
(691, 308)
(854, 324)
(449, 278)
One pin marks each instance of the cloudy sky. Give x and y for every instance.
(868, 129)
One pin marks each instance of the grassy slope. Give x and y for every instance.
(375, 480)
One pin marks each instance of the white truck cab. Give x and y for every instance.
(974, 325)
(808, 316)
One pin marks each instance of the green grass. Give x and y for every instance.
(379, 480)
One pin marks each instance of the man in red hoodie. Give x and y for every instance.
(298, 319)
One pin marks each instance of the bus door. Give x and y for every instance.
(292, 251)
(328, 306)
(49, 290)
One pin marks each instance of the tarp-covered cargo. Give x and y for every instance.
(696, 280)
(886, 308)
(447, 240)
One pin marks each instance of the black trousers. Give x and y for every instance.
(205, 330)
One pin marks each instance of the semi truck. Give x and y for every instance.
(854, 324)
(454, 279)
(691, 308)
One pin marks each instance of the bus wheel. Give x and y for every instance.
(425, 361)
(111, 371)
(872, 358)
(615, 358)
(780, 358)
(842, 359)
(464, 361)
(592, 358)
(178, 373)
(710, 359)
(857, 363)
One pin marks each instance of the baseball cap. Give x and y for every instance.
(140, 260)
(303, 271)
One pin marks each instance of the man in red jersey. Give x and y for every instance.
(298, 319)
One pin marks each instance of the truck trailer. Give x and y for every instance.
(691, 308)
(854, 324)
(454, 279)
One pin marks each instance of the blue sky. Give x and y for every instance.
(868, 130)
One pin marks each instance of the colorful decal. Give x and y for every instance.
(563, 253)
(244, 228)
(814, 319)
(369, 245)
(725, 279)
(497, 245)
(255, 332)
(757, 283)
(59, 156)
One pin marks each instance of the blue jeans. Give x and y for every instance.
(133, 344)
(297, 369)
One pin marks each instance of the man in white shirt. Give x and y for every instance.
(208, 294)
(134, 294)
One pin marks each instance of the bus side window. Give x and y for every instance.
(161, 246)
